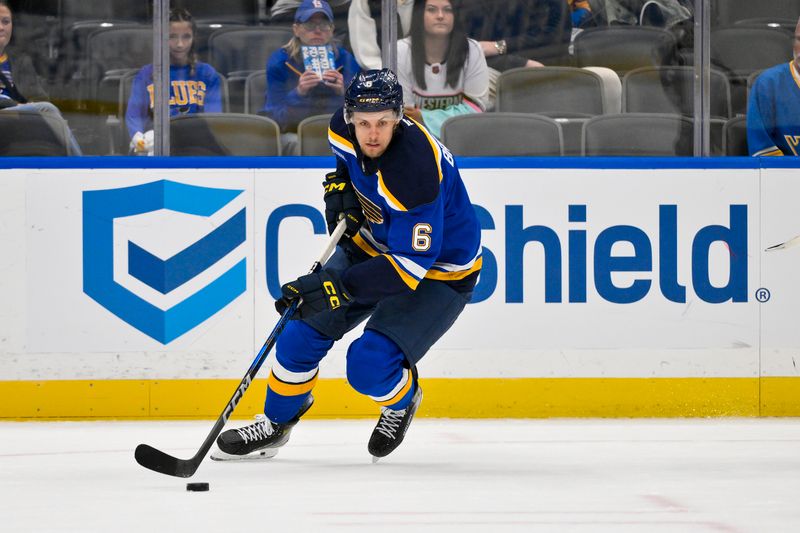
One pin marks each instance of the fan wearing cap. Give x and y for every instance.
(298, 87)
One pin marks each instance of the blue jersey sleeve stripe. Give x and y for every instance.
(451, 276)
(407, 279)
(771, 151)
(387, 195)
(409, 265)
(340, 142)
(437, 153)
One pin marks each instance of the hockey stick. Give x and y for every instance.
(794, 241)
(156, 460)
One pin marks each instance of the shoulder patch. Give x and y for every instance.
(410, 168)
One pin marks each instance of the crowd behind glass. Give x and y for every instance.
(511, 78)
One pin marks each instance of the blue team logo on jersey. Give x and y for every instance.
(102, 207)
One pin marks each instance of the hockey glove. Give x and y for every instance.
(341, 199)
(320, 291)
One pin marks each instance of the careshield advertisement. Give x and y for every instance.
(586, 272)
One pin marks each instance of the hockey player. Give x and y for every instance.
(773, 116)
(408, 262)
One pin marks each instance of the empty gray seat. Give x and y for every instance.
(502, 134)
(553, 91)
(727, 12)
(255, 88)
(734, 136)
(312, 135)
(237, 49)
(30, 133)
(116, 50)
(638, 134)
(671, 90)
(218, 134)
(624, 48)
(740, 51)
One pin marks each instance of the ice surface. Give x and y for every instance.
(714, 475)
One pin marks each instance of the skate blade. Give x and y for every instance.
(260, 455)
(375, 459)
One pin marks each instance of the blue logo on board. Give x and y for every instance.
(102, 207)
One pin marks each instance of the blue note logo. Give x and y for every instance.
(196, 281)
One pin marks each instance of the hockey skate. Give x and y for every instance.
(392, 427)
(260, 440)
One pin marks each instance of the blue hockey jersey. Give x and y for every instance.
(187, 94)
(773, 112)
(420, 221)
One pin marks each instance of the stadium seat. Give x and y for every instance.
(234, 50)
(638, 134)
(671, 90)
(30, 133)
(740, 51)
(624, 48)
(502, 134)
(113, 51)
(224, 134)
(728, 12)
(734, 136)
(312, 135)
(552, 91)
(254, 88)
(229, 11)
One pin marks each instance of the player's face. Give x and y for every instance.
(796, 48)
(6, 25)
(438, 17)
(180, 42)
(374, 131)
(315, 31)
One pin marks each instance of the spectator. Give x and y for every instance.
(773, 116)
(519, 33)
(581, 12)
(282, 11)
(296, 89)
(443, 73)
(364, 22)
(194, 86)
(20, 88)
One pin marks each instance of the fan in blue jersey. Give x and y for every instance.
(773, 110)
(408, 264)
(194, 86)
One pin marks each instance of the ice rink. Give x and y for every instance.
(692, 475)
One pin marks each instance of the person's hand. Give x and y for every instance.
(414, 113)
(341, 200)
(334, 80)
(143, 143)
(320, 291)
(308, 80)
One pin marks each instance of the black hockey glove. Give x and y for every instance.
(321, 291)
(341, 199)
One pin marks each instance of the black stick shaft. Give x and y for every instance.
(158, 461)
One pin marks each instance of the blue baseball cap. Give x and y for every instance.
(309, 8)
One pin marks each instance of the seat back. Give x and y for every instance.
(733, 11)
(671, 90)
(218, 134)
(562, 91)
(30, 133)
(638, 134)
(312, 135)
(502, 134)
(255, 87)
(114, 50)
(236, 49)
(734, 136)
(624, 48)
(739, 51)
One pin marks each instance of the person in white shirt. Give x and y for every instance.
(442, 71)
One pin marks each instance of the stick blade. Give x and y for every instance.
(161, 462)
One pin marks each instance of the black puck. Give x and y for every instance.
(197, 487)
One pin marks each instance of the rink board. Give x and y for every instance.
(631, 288)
